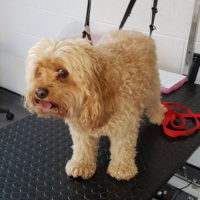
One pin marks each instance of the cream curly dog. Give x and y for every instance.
(100, 90)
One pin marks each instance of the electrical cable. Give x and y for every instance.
(187, 181)
(180, 190)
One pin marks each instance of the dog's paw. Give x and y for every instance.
(122, 171)
(156, 116)
(78, 169)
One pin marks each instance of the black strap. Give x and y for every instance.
(127, 13)
(154, 11)
(86, 32)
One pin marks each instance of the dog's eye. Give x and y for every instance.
(62, 73)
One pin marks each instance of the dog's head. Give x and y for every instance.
(61, 79)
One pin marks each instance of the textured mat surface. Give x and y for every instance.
(33, 154)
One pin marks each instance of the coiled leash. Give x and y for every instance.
(170, 127)
(170, 120)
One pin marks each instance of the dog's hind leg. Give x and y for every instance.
(155, 111)
(83, 161)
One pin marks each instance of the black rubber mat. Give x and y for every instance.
(33, 154)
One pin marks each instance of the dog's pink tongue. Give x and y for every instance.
(45, 105)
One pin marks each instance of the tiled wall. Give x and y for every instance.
(24, 22)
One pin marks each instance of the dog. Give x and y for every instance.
(100, 90)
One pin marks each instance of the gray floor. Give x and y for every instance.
(14, 103)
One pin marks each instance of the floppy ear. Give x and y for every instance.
(93, 107)
(87, 72)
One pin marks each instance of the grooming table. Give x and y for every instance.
(34, 152)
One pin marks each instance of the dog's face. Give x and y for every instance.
(60, 78)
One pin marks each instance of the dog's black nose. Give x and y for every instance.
(41, 92)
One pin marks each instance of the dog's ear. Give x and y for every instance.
(93, 105)
(82, 62)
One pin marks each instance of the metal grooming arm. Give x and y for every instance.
(191, 41)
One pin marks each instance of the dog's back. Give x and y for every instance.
(129, 50)
(132, 56)
(127, 40)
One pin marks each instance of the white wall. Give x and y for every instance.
(24, 22)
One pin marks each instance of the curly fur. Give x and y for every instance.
(108, 88)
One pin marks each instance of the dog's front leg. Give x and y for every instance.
(123, 151)
(83, 161)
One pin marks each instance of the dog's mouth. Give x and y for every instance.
(46, 106)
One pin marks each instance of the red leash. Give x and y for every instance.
(171, 116)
